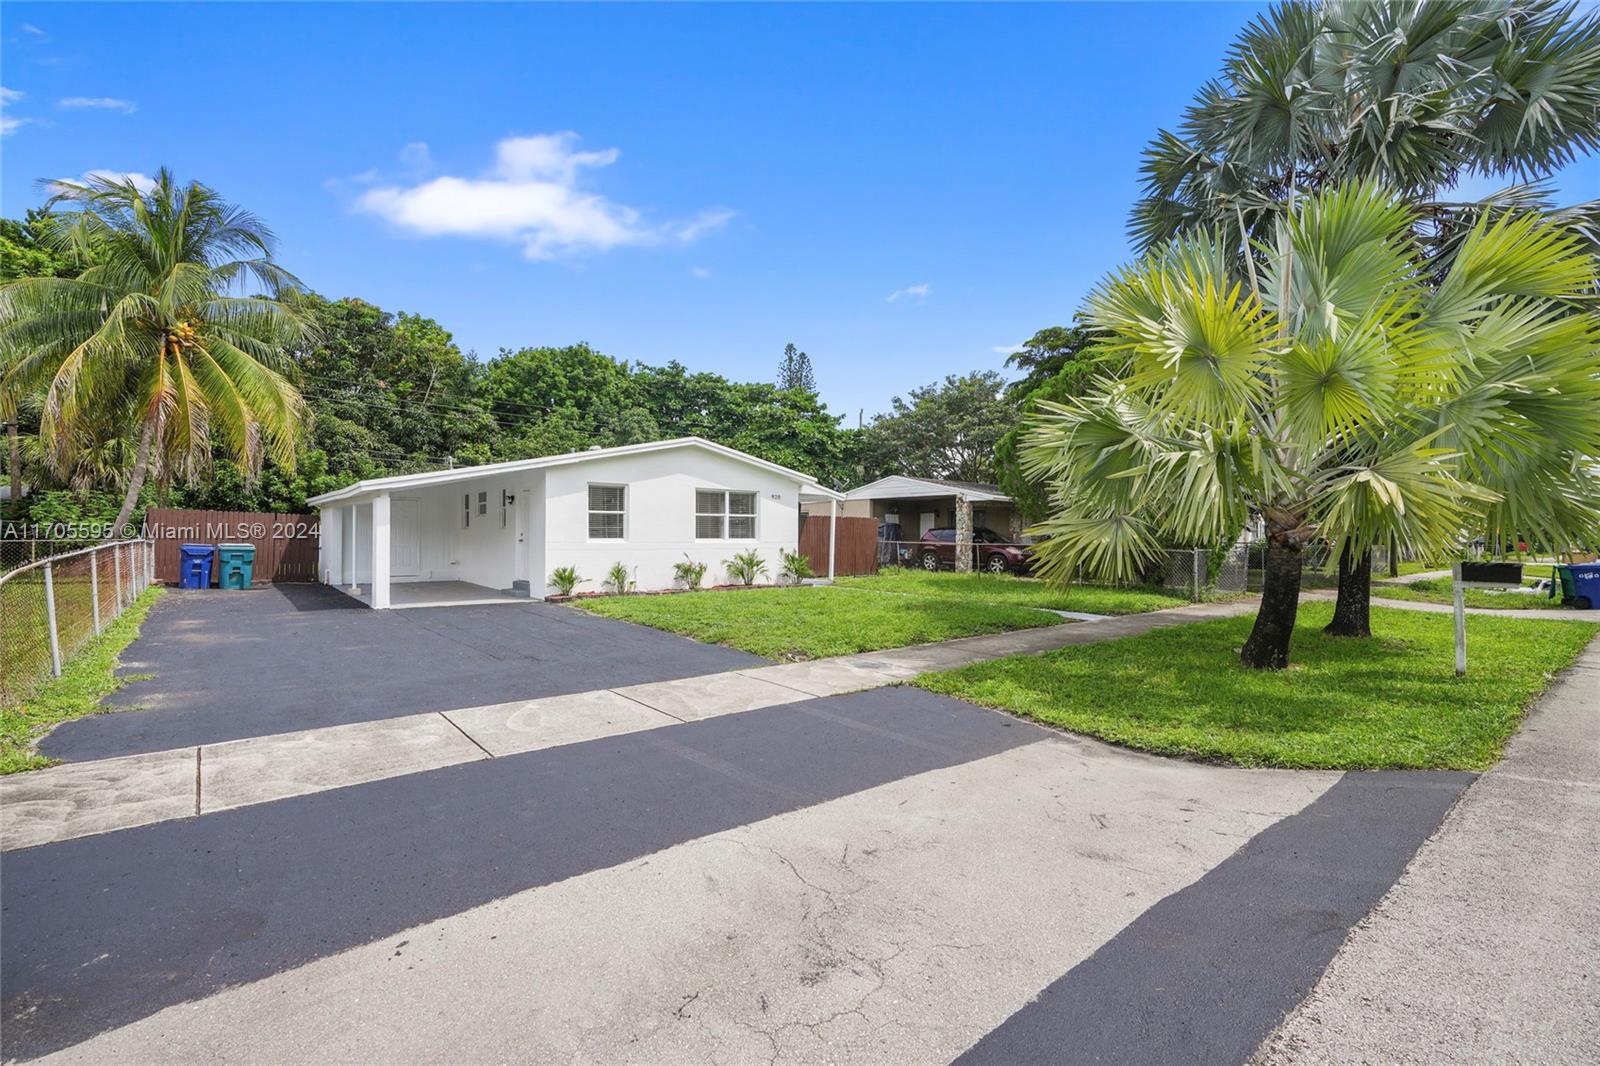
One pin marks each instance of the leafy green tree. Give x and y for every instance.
(153, 333)
(1060, 356)
(944, 430)
(26, 251)
(1343, 398)
(1058, 362)
(389, 393)
(795, 371)
(788, 426)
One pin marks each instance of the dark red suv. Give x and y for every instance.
(990, 551)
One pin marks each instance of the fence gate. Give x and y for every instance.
(855, 549)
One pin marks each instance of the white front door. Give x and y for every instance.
(405, 537)
(521, 511)
(929, 520)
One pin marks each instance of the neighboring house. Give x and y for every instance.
(485, 533)
(920, 504)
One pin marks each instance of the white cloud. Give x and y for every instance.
(531, 194)
(919, 291)
(142, 182)
(9, 124)
(700, 272)
(97, 103)
(33, 31)
(1007, 349)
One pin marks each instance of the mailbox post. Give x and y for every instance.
(1465, 576)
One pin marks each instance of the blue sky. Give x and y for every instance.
(900, 190)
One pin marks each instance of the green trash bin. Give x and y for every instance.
(237, 562)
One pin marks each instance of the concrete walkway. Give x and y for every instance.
(85, 798)
(1486, 949)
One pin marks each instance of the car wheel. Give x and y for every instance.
(997, 564)
(930, 560)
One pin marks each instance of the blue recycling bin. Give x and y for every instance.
(1585, 585)
(194, 566)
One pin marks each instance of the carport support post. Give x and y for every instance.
(833, 533)
(963, 535)
(380, 551)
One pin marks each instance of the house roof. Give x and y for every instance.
(809, 486)
(900, 487)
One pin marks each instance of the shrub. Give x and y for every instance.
(796, 567)
(689, 573)
(565, 579)
(617, 578)
(746, 567)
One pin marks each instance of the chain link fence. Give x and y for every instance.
(52, 606)
(1196, 572)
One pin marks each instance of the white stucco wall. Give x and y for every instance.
(548, 524)
(483, 551)
(659, 525)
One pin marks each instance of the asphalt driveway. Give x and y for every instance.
(227, 665)
(870, 876)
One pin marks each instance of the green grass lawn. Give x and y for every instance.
(814, 621)
(1392, 701)
(1437, 590)
(1020, 592)
(86, 679)
(1409, 566)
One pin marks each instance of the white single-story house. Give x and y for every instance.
(488, 533)
(918, 504)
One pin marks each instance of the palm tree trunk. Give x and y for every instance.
(1268, 645)
(141, 463)
(15, 466)
(1352, 612)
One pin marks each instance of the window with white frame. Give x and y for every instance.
(720, 515)
(483, 503)
(607, 511)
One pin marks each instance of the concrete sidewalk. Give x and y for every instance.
(85, 798)
(1488, 948)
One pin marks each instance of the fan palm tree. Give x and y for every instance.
(160, 331)
(1339, 396)
(1415, 95)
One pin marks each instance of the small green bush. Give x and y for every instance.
(689, 573)
(617, 578)
(746, 567)
(796, 567)
(565, 579)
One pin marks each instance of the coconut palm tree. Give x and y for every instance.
(163, 328)
(1337, 395)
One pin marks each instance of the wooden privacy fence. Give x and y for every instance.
(286, 544)
(855, 549)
